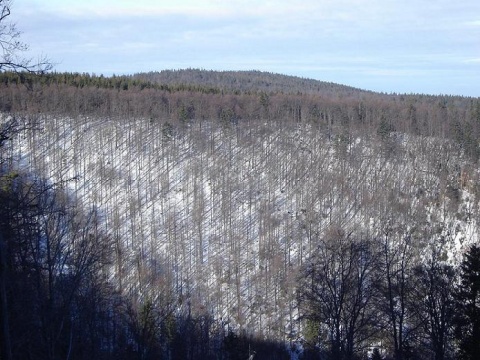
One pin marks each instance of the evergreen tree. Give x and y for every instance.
(468, 305)
(376, 354)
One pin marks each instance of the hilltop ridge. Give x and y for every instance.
(246, 81)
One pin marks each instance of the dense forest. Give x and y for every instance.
(195, 214)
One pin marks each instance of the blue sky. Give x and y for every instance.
(406, 46)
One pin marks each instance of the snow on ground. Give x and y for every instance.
(229, 214)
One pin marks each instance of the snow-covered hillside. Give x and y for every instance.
(224, 216)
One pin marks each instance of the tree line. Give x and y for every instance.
(181, 101)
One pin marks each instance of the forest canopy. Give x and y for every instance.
(186, 95)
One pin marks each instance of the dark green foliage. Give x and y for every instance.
(463, 134)
(468, 305)
(385, 128)
(227, 117)
(186, 113)
(167, 131)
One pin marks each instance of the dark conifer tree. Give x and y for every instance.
(468, 305)
(376, 354)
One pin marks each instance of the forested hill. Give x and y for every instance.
(183, 96)
(205, 215)
(247, 81)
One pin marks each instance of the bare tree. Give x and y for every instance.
(397, 260)
(55, 254)
(337, 294)
(434, 304)
(12, 46)
(10, 60)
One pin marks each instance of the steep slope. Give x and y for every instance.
(223, 216)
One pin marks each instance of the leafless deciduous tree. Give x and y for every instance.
(12, 46)
(434, 304)
(11, 60)
(397, 290)
(337, 293)
(54, 255)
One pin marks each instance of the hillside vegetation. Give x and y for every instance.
(200, 214)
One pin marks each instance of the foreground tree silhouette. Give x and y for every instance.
(397, 261)
(53, 255)
(11, 60)
(468, 305)
(336, 293)
(5, 133)
(433, 304)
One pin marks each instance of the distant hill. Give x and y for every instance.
(231, 97)
(247, 81)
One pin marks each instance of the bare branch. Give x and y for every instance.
(11, 46)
